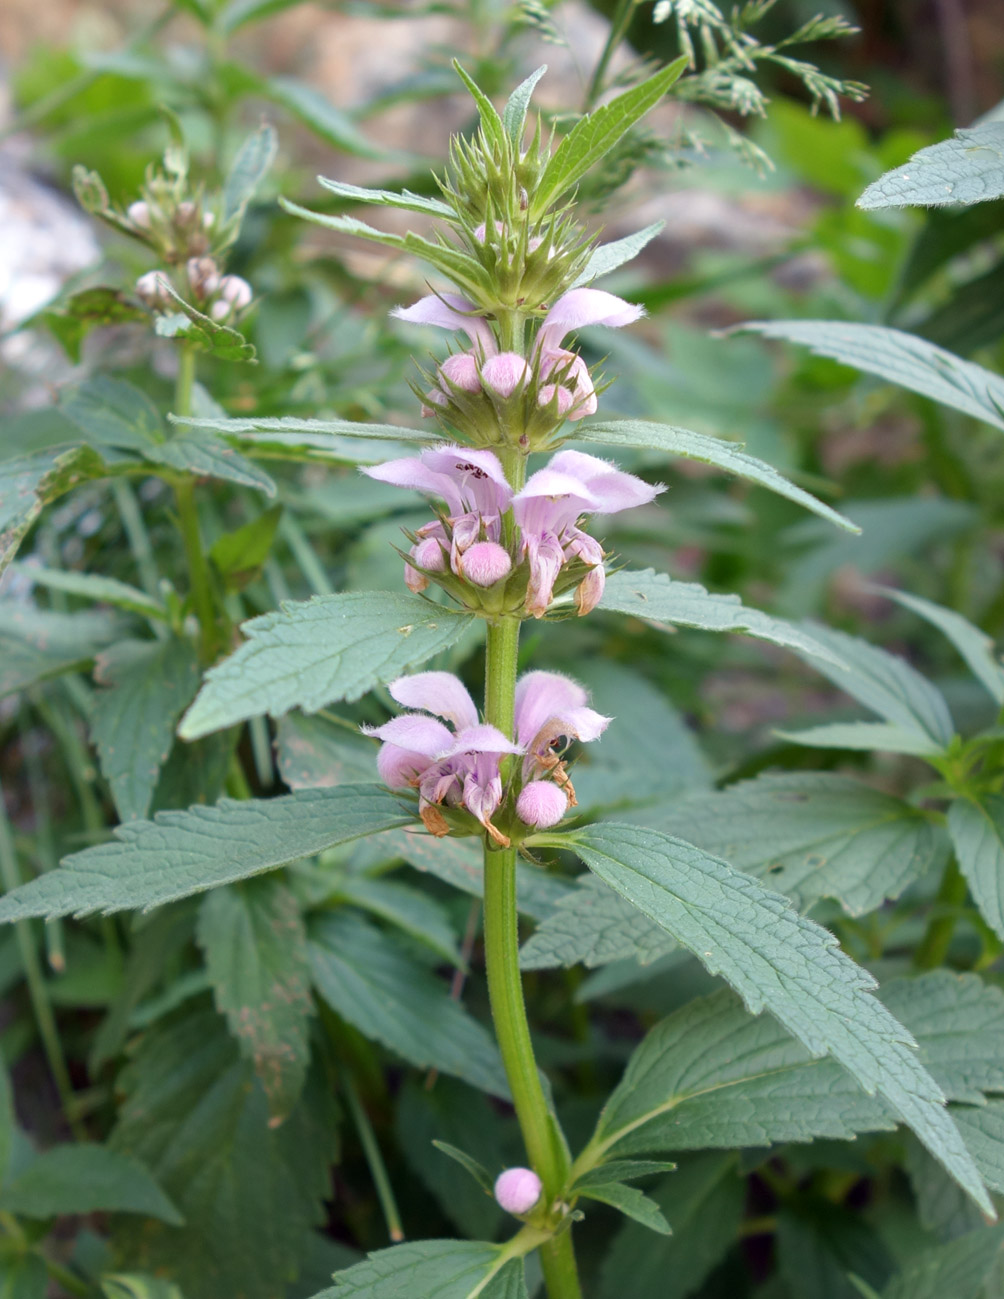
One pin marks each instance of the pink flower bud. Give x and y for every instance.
(485, 563)
(428, 554)
(152, 289)
(462, 371)
(236, 292)
(505, 373)
(203, 276)
(517, 1190)
(541, 804)
(139, 214)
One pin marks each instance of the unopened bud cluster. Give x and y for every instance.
(221, 297)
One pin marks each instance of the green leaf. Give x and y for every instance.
(415, 913)
(621, 1170)
(976, 826)
(597, 133)
(319, 651)
(112, 413)
(236, 13)
(249, 1192)
(709, 451)
(810, 835)
(514, 113)
(388, 198)
(491, 124)
(121, 1286)
(74, 318)
(321, 116)
(899, 358)
(959, 1268)
(886, 684)
(250, 167)
(466, 1161)
(239, 555)
(969, 168)
(631, 1202)
(147, 684)
(222, 341)
(593, 925)
(92, 586)
(177, 854)
(420, 1269)
(30, 482)
(206, 456)
(367, 977)
(781, 962)
(313, 753)
(87, 1179)
(703, 1201)
(942, 1207)
(819, 1243)
(982, 1128)
(712, 1076)
(975, 646)
(23, 1276)
(36, 644)
(8, 1123)
(650, 754)
(333, 439)
(508, 1283)
(607, 257)
(255, 945)
(880, 736)
(657, 598)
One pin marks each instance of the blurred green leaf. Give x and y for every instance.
(239, 555)
(36, 644)
(976, 826)
(317, 113)
(87, 1179)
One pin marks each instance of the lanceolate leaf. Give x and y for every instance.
(91, 586)
(320, 115)
(316, 652)
(597, 133)
(781, 962)
(900, 358)
(631, 1202)
(146, 685)
(607, 257)
(657, 598)
(977, 829)
(421, 1269)
(810, 835)
(316, 432)
(883, 737)
(149, 863)
(255, 946)
(709, 451)
(969, 168)
(387, 198)
(249, 168)
(514, 113)
(370, 980)
(207, 456)
(975, 646)
(36, 643)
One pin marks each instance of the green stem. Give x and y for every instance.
(618, 29)
(188, 518)
(37, 988)
(934, 946)
(371, 1151)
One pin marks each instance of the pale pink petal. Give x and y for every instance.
(611, 488)
(482, 738)
(539, 696)
(581, 307)
(415, 473)
(545, 558)
(412, 731)
(399, 768)
(450, 311)
(437, 692)
(589, 592)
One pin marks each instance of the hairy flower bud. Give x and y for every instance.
(203, 276)
(235, 292)
(139, 214)
(153, 289)
(504, 373)
(485, 563)
(541, 804)
(462, 371)
(517, 1190)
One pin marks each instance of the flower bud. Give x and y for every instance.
(152, 289)
(462, 371)
(203, 276)
(517, 1190)
(485, 563)
(235, 292)
(186, 214)
(504, 373)
(541, 804)
(139, 214)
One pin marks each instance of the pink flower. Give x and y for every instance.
(548, 510)
(462, 767)
(474, 487)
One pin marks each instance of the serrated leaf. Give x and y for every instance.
(975, 646)
(420, 1269)
(631, 1202)
(883, 737)
(177, 854)
(712, 1076)
(810, 835)
(316, 652)
(703, 1202)
(593, 925)
(514, 113)
(249, 1192)
(255, 945)
(92, 586)
(709, 451)
(607, 257)
(899, 358)
(369, 979)
(87, 1179)
(146, 686)
(508, 1283)
(206, 456)
(249, 168)
(886, 684)
(958, 1269)
(388, 198)
(976, 826)
(317, 113)
(657, 598)
(781, 962)
(36, 643)
(982, 1128)
(968, 168)
(327, 436)
(113, 413)
(597, 133)
(209, 335)
(415, 913)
